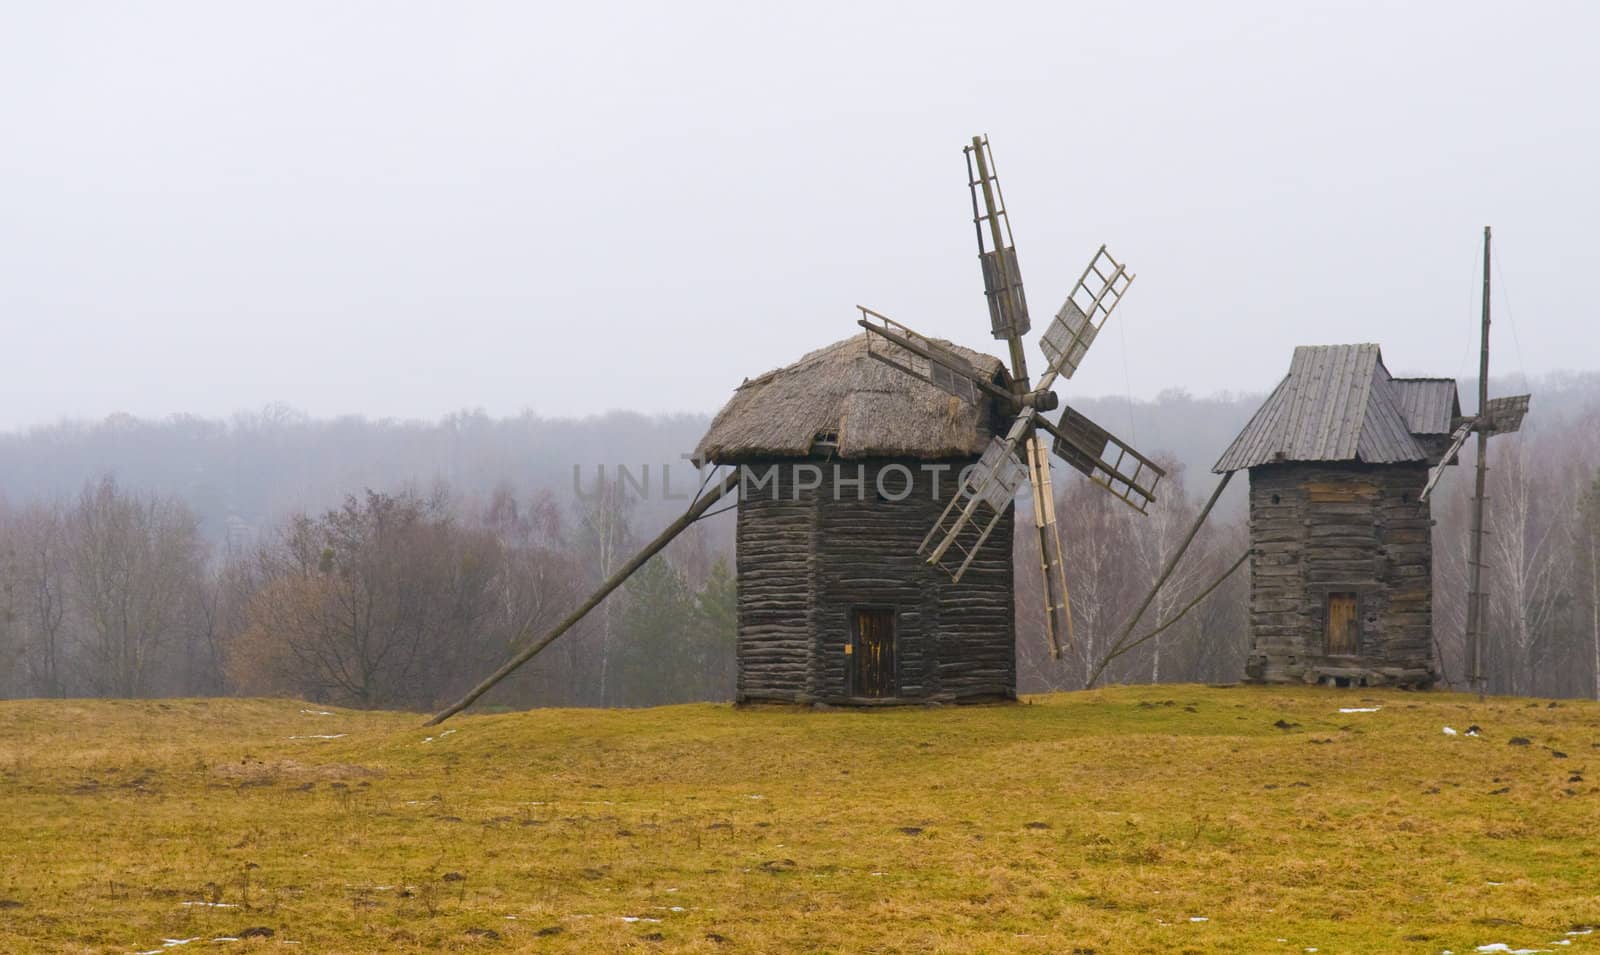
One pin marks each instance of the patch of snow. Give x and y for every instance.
(226, 938)
(638, 918)
(322, 736)
(1580, 931)
(1494, 883)
(677, 908)
(1359, 709)
(210, 905)
(1472, 732)
(316, 712)
(1198, 918)
(755, 796)
(168, 943)
(1450, 732)
(1508, 950)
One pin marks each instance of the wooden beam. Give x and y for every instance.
(1172, 564)
(694, 513)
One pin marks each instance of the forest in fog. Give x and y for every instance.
(393, 564)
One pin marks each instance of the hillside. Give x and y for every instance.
(1164, 818)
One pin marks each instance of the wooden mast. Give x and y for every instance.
(1476, 599)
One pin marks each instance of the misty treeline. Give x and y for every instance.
(189, 557)
(398, 600)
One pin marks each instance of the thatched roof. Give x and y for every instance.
(840, 395)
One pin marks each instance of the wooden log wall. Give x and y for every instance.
(775, 573)
(1318, 529)
(805, 566)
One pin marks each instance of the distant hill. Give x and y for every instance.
(249, 470)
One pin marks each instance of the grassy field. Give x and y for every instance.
(1172, 818)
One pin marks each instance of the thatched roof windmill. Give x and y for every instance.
(902, 595)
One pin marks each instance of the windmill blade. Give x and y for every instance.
(900, 347)
(1504, 415)
(997, 253)
(1057, 603)
(980, 501)
(1084, 313)
(1106, 459)
(1457, 439)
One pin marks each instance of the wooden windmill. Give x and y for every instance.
(1021, 454)
(853, 599)
(1342, 457)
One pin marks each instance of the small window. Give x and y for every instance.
(1276, 499)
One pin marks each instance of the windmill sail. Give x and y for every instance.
(1504, 415)
(1084, 313)
(902, 348)
(1107, 460)
(1457, 439)
(997, 252)
(984, 495)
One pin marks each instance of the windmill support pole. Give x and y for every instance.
(1119, 650)
(694, 513)
(1172, 565)
(1476, 604)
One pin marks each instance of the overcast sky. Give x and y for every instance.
(408, 210)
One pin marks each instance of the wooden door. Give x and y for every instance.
(1344, 635)
(872, 671)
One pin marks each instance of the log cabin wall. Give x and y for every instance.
(806, 566)
(775, 574)
(1321, 529)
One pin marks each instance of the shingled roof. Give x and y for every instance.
(1339, 403)
(841, 398)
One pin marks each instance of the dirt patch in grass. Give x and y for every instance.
(290, 771)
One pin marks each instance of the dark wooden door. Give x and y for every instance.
(1344, 637)
(872, 672)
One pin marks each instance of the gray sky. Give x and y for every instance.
(573, 207)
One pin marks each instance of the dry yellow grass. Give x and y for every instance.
(1172, 818)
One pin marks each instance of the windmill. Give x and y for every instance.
(801, 626)
(1022, 454)
(1341, 582)
(1495, 416)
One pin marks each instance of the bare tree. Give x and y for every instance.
(36, 574)
(1587, 567)
(133, 559)
(1527, 540)
(383, 602)
(605, 541)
